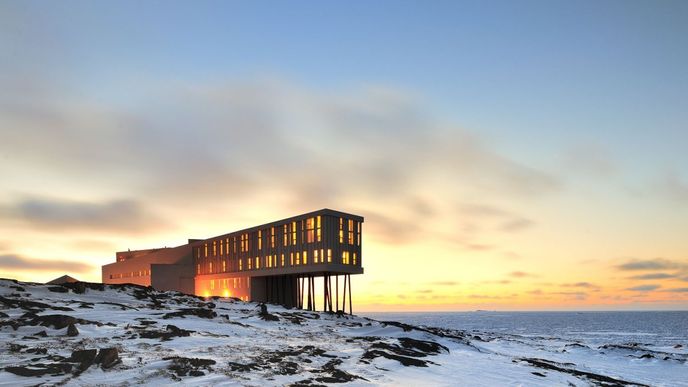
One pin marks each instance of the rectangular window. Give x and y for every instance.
(341, 230)
(318, 230)
(260, 240)
(354, 259)
(305, 257)
(293, 233)
(224, 265)
(198, 252)
(358, 235)
(198, 268)
(298, 259)
(285, 234)
(257, 263)
(222, 248)
(214, 248)
(351, 232)
(205, 247)
(345, 257)
(234, 244)
(250, 263)
(282, 260)
(272, 237)
(291, 259)
(329, 255)
(241, 264)
(210, 267)
(310, 230)
(227, 246)
(315, 256)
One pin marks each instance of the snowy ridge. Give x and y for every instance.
(94, 334)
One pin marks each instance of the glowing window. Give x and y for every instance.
(359, 234)
(250, 263)
(260, 240)
(298, 259)
(305, 257)
(282, 260)
(354, 258)
(315, 256)
(257, 263)
(318, 230)
(351, 232)
(310, 230)
(329, 255)
(205, 246)
(272, 237)
(341, 230)
(345, 257)
(293, 233)
(291, 259)
(234, 244)
(210, 267)
(214, 248)
(222, 248)
(224, 265)
(241, 264)
(286, 233)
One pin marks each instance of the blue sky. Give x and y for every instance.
(566, 115)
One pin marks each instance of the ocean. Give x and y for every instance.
(655, 329)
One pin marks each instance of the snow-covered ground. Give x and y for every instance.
(163, 338)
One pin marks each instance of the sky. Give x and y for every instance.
(506, 155)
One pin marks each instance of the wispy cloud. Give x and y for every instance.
(653, 276)
(644, 288)
(124, 215)
(16, 262)
(651, 264)
(521, 274)
(677, 290)
(579, 285)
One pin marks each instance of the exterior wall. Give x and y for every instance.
(146, 267)
(261, 263)
(288, 246)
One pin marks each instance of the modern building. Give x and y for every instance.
(276, 262)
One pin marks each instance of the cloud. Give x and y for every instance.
(521, 274)
(59, 214)
(16, 262)
(579, 285)
(677, 290)
(536, 292)
(573, 295)
(644, 288)
(652, 276)
(516, 224)
(651, 264)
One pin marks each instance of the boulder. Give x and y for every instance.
(72, 331)
(107, 357)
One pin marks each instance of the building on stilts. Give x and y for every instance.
(279, 262)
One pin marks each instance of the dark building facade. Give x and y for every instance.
(276, 262)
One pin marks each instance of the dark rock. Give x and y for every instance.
(597, 379)
(427, 347)
(41, 334)
(170, 332)
(30, 305)
(41, 369)
(183, 366)
(647, 356)
(85, 358)
(80, 287)
(16, 347)
(539, 374)
(72, 331)
(199, 312)
(58, 321)
(107, 357)
(38, 351)
(4, 315)
(677, 346)
(243, 367)
(404, 360)
(264, 315)
(58, 289)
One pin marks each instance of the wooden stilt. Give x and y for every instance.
(351, 310)
(344, 296)
(336, 291)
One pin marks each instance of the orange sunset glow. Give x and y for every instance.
(518, 166)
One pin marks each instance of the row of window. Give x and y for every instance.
(311, 231)
(138, 273)
(273, 261)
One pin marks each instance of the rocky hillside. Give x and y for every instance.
(95, 334)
